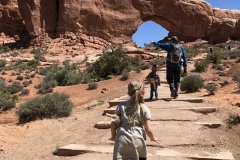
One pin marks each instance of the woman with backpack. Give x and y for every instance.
(133, 126)
(175, 53)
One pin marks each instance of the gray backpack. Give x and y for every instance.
(176, 53)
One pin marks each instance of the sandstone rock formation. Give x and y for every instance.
(101, 21)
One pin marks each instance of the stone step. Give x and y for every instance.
(77, 149)
(103, 125)
(224, 155)
(187, 99)
(210, 124)
(115, 102)
(203, 110)
(110, 110)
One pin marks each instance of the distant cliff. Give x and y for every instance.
(116, 20)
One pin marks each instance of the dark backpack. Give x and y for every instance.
(176, 53)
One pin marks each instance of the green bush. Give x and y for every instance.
(215, 57)
(3, 84)
(49, 106)
(19, 77)
(7, 101)
(112, 62)
(211, 88)
(233, 119)
(69, 76)
(218, 67)
(125, 75)
(4, 49)
(25, 92)
(196, 49)
(92, 85)
(236, 77)
(191, 83)
(2, 63)
(14, 88)
(6, 104)
(46, 86)
(201, 66)
(38, 54)
(34, 63)
(26, 83)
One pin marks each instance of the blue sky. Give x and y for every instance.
(152, 31)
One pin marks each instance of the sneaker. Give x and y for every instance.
(156, 97)
(150, 98)
(173, 92)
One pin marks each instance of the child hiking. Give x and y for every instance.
(134, 124)
(154, 81)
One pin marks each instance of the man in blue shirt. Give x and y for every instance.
(173, 67)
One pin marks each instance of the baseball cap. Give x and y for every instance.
(174, 38)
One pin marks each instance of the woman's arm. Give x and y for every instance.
(149, 132)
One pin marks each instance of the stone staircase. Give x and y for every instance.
(187, 127)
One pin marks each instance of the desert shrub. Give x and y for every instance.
(22, 50)
(3, 84)
(158, 62)
(40, 57)
(136, 60)
(25, 83)
(38, 51)
(191, 83)
(112, 62)
(201, 66)
(32, 75)
(19, 77)
(2, 63)
(222, 74)
(43, 71)
(218, 67)
(4, 73)
(92, 85)
(6, 104)
(14, 54)
(69, 75)
(27, 76)
(233, 119)
(86, 79)
(211, 88)
(7, 101)
(14, 88)
(125, 75)
(195, 49)
(25, 92)
(38, 54)
(34, 63)
(46, 86)
(21, 65)
(4, 49)
(236, 77)
(144, 66)
(215, 57)
(233, 54)
(49, 106)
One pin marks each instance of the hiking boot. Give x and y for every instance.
(173, 92)
(176, 96)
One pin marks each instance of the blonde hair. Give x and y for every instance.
(136, 93)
